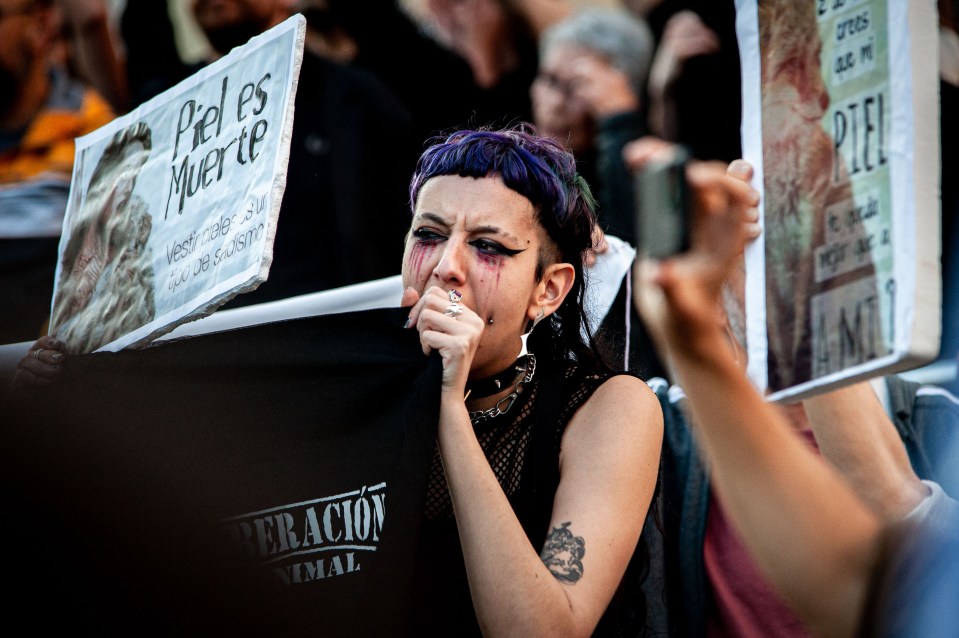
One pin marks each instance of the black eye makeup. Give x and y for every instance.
(490, 247)
(427, 236)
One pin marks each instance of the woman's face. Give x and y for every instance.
(481, 238)
(558, 111)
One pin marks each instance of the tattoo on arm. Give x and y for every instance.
(563, 553)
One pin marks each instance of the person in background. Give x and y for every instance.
(871, 549)
(231, 24)
(589, 95)
(696, 60)
(153, 61)
(92, 51)
(42, 110)
(498, 39)
(380, 37)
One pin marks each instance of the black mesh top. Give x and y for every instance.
(522, 447)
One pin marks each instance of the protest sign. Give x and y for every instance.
(173, 207)
(840, 121)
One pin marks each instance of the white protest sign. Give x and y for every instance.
(173, 207)
(840, 121)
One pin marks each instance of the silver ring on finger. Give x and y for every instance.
(36, 353)
(454, 310)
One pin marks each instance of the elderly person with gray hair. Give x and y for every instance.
(589, 95)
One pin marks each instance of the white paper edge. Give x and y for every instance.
(747, 24)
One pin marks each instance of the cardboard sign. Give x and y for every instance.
(173, 207)
(840, 102)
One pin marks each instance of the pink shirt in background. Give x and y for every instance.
(744, 603)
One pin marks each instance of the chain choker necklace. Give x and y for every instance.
(491, 385)
(503, 405)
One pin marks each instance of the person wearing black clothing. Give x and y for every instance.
(546, 459)
(344, 210)
(695, 81)
(432, 82)
(499, 40)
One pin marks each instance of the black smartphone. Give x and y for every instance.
(662, 206)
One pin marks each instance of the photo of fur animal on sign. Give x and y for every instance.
(106, 282)
(173, 206)
(833, 129)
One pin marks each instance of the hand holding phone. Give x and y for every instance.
(662, 205)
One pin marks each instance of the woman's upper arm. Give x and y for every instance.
(609, 464)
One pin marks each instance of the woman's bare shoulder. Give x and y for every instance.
(622, 407)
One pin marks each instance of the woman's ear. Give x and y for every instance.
(551, 290)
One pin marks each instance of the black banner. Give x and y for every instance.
(263, 479)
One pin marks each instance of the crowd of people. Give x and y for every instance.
(569, 494)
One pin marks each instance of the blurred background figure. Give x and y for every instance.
(381, 37)
(866, 552)
(232, 23)
(42, 109)
(694, 84)
(589, 94)
(90, 48)
(160, 51)
(498, 39)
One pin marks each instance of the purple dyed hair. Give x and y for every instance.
(543, 172)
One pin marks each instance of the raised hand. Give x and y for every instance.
(679, 298)
(448, 325)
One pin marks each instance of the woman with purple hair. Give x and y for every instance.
(546, 458)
